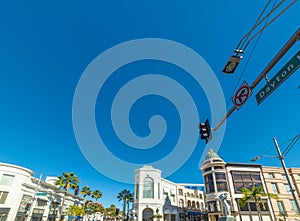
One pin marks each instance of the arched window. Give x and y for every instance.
(198, 205)
(193, 205)
(202, 206)
(181, 204)
(147, 214)
(148, 190)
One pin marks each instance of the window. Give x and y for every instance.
(220, 176)
(41, 203)
(3, 196)
(294, 206)
(207, 169)
(218, 167)
(251, 206)
(148, 188)
(181, 204)
(264, 207)
(137, 192)
(245, 179)
(222, 186)
(202, 206)
(271, 175)
(7, 180)
(180, 192)
(158, 191)
(287, 188)
(200, 196)
(280, 206)
(283, 176)
(209, 183)
(274, 187)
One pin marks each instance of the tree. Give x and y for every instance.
(93, 208)
(129, 200)
(66, 181)
(74, 210)
(123, 196)
(96, 194)
(256, 194)
(86, 191)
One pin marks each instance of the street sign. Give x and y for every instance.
(288, 69)
(242, 95)
(41, 194)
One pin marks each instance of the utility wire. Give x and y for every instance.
(253, 49)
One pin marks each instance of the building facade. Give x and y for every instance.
(24, 197)
(228, 178)
(158, 198)
(284, 207)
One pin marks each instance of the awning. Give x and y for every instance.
(194, 213)
(4, 210)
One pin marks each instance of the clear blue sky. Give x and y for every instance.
(45, 47)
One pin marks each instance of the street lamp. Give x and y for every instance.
(280, 157)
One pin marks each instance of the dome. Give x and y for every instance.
(211, 154)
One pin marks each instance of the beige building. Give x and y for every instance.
(276, 182)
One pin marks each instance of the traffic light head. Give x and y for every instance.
(27, 206)
(205, 131)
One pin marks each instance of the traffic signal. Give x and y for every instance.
(205, 131)
(27, 207)
(232, 64)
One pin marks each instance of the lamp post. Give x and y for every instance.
(280, 157)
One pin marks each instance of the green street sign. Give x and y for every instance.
(41, 194)
(288, 69)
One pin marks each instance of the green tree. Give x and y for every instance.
(74, 210)
(123, 196)
(85, 191)
(91, 208)
(96, 194)
(66, 181)
(255, 194)
(110, 212)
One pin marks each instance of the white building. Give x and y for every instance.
(157, 198)
(19, 190)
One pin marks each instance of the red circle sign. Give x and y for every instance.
(242, 95)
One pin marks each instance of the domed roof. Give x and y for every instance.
(211, 154)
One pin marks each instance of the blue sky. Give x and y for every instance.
(46, 47)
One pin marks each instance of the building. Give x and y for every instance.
(276, 182)
(156, 197)
(221, 177)
(24, 196)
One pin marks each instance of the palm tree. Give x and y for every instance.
(256, 194)
(129, 200)
(96, 194)
(66, 181)
(85, 191)
(124, 195)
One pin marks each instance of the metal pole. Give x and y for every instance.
(295, 37)
(287, 175)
